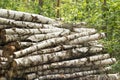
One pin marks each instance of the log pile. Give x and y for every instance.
(34, 47)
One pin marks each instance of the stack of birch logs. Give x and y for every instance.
(34, 47)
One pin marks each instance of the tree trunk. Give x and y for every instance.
(58, 9)
(22, 16)
(59, 56)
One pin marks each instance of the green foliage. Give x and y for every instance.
(104, 17)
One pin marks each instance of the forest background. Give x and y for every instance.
(104, 15)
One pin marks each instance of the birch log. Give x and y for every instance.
(72, 49)
(63, 64)
(23, 24)
(30, 31)
(41, 37)
(56, 71)
(73, 75)
(1, 52)
(10, 38)
(87, 38)
(56, 49)
(4, 27)
(23, 16)
(100, 77)
(48, 43)
(65, 70)
(48, 58)
(3, 59)
(83, 29)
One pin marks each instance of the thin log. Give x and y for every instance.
(48, 58)
(87, 38)
(23, 24)
(70, 63)
(10, 38)
(30, 31)
(41, 37)
(100, 77)
(48, 43)
(73, 75)
(23, 16)
(1, 52)
(4, 26)
(56, 49)
(66, 70)
(83, 29)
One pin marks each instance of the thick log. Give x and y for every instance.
(22, 24)
(70, 63)
(100, 77)
(87, 38)
(23, 16)
(48, 58)
(73, 75)
(48, 43)
(19, 31)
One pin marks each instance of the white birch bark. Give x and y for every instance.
(83, 29)
(87, 38)
(73, 75)
(1, 52)
(70, 63)
(58, 71)
(41, 37)
(23, 24)
(56, 49)
(59, 56)
(48, 43)
(10, 38)
(23, 16)
(99, 77)
(4, 26)
(3, 59)
(30, 31)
